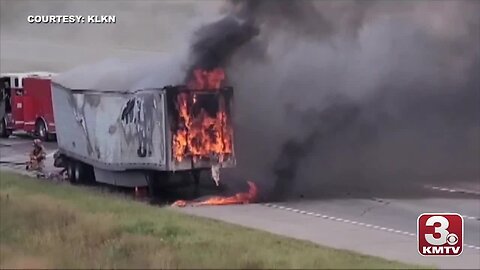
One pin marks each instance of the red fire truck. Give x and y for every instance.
(26, 104)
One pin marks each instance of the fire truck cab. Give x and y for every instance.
(26, 104)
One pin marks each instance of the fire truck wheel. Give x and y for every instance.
(41, 131)
(4, 132)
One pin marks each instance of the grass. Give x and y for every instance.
(48, 225)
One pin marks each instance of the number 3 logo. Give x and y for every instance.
(440, 234)
(442, 230)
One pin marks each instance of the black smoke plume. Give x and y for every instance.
(406, 71)
(214, 44)
(293, 152)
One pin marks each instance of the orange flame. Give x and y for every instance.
(239, 198)
(202, 135)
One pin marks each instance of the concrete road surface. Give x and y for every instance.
(374, 226)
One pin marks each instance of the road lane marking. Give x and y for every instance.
(457, 191)
(472, 246)
(375, 227)
(471, 218)
(451, 190)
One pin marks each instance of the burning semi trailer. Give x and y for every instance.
(144, 137)
(201, 124)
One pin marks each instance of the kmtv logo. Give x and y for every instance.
(440, 234)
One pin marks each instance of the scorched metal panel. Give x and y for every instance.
(113, 130)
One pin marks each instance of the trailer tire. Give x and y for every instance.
(195, 176)
(80, 173)
(88, 173)
(41, 131)
(4, 132)
(153, 181)
(71, 172)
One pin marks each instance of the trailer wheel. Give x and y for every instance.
(153, 181)
(4, 132)
(80, 173)
(71, 172)
(88, 174)
(195, 175)
(41, 131)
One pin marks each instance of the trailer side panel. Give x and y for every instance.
(113, 131)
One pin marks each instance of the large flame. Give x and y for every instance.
(239, 198)
(202, 135)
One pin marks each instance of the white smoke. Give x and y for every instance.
(125, 74)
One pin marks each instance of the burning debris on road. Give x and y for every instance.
(239, 198)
